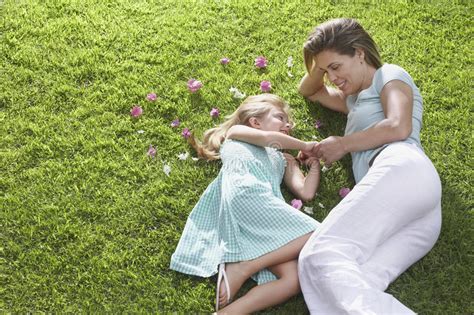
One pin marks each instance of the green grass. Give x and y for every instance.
(88, 222)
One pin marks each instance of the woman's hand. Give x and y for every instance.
(330, 150)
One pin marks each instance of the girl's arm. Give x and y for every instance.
(263, 138)
(302, 187)
(313, 88)
(397, 102)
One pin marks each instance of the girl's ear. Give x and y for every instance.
(254, 122)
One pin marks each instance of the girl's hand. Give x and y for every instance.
(290, 159)
(330, 150)
(302, 157)
(309, 147)
(313, 162)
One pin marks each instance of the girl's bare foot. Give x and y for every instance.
(237, 273)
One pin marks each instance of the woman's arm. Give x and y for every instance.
(302, 187)
(397, 102)
(313, 88)
(263, 138)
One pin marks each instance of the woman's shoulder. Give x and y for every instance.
(389, 72)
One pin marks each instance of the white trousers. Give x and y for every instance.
(390, 220)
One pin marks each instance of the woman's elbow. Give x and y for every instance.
(401, 132)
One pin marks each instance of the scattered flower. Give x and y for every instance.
(236, 93)
(151, 151)
(318, 124)
(290, 74)
(321, 205)
(175, 123)
(183, 156)
(194, 85)
(260, 62)
(140, 131)
(289, 62)
(224, 61)
(136, 111)
(194, 159)
(167, 169)
(324, 169)
(265, 86)
(296, 203)
(308, 210)
(344, 191)
(214, 112)
(186, 133)
(151, 97)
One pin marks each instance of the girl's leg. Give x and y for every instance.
(268, 294)
(379, 215)
(238, 272)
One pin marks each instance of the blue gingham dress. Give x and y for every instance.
(241, 215)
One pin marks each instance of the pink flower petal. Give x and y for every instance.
(318, 124)
(214, 112)
(136, 111)
(296, 203)
(260, 62)
(265, 86)
(344, 191)
(175, 123)
(186, 133)
(224, 61)
(151, 97)
(194, 85)
(151, 151)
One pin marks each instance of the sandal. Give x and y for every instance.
(221, 275)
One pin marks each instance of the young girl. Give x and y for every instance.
(242, 224)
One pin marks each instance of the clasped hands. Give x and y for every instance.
(328, 151)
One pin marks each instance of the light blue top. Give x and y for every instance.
(365, 110)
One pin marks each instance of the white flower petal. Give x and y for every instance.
(140, 131)
(308, 210)
(289, 62)
(194, 159)
(321, 205)
(290, 74)
(183, 156)
(167, 169)
(325, 169)
(236, 93)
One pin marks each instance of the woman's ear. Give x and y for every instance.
(360, 53)
(254, 122)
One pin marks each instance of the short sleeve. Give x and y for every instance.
(389, 73)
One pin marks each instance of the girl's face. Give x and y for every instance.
(349, 74)
(274, 120)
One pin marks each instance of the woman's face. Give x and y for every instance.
(348, 73)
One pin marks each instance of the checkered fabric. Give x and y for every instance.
(241, 215)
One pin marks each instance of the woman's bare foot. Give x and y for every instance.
(237, 273)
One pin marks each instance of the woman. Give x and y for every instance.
(392, 217)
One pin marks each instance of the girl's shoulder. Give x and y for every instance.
(237, 147)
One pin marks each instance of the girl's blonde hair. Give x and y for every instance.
(253, 106)
(342, 36)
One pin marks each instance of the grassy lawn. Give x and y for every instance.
(89, 221)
